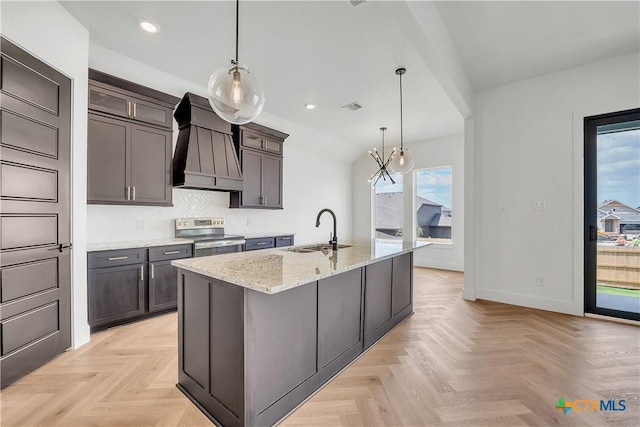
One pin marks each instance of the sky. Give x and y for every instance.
(619, 167)
(432, 184)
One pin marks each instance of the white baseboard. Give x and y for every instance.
(559, 306)
(440, 265)
(469, 294)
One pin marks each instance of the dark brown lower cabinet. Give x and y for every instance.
(163, 292)
(388, 296)
(116, 294)
(130, 284)
(248, 358)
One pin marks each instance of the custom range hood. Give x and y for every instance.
(205, 157)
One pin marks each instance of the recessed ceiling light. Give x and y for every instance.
(309, 106)
(148, 26)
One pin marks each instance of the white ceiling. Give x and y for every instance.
(503, 42)
(330, 53)
(326, 53)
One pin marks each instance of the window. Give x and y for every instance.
(434, 215)
(388, 208)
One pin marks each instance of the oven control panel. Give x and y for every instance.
(198, 223)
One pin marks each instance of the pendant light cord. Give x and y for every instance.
(383, 145)
(237, 27)
(401, 127)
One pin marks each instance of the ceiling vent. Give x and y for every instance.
(354, 106)
(355, 3)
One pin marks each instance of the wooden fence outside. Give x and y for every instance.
(619, 266)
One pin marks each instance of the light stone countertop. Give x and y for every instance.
(260, 235)
(274, 270)
(143, 243)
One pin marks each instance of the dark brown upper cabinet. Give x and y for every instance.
(261, 160)
(129, 143)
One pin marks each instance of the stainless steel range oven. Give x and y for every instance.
(208, 235)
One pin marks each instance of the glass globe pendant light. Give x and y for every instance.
(402, 161)
(234, 93)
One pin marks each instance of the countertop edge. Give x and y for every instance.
(270, 290)
(136, 244)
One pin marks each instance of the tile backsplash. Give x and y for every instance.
(107, 223)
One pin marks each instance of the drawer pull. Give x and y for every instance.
(171, 253)
(285, 238)
(117, 258)
(142, 273)
(261, 243)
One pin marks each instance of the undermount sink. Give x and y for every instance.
(314, 248)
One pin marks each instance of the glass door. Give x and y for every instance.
(612, 214)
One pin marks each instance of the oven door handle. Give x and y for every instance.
(219, 244)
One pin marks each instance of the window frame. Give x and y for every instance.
(434, 244)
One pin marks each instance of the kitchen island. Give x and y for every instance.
(261, 331)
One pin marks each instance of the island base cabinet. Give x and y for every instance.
(248, 358)
(388, 296)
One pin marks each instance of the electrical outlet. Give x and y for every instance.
(501, 207)
(539, 281)
(538, 205)
(140, 224)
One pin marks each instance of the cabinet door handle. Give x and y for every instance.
(128, 193)
(134, 193)
(153, 275)
(265, 200)
(171, 253)
(135, 110)
(129, 108)
(142, 273)
(117, 258)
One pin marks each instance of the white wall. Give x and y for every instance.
(528, 146)
(442, 151)
(311, 181)
(49, 32)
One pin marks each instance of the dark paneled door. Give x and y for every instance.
(35, 305)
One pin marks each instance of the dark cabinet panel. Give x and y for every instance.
(165, 253)
(108, 164)
(130, 105)
(150, 165)
(377, 301)
(260, 151)
(108, 101)
(252, 173)
(283, 337)
(129, 143)
(163, 293)
(195, 351)
(116, 294)
(272, 181)
(282, 241)
(259, 243)
(401, 283)
(339, 307)
(119, 278)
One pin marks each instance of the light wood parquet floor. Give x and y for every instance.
(454, 362)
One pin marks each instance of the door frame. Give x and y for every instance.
(590, 239)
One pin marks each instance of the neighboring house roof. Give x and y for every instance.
(440, 220)
(389, 211)
(616, 206)
(623, 217)
(422, 201)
